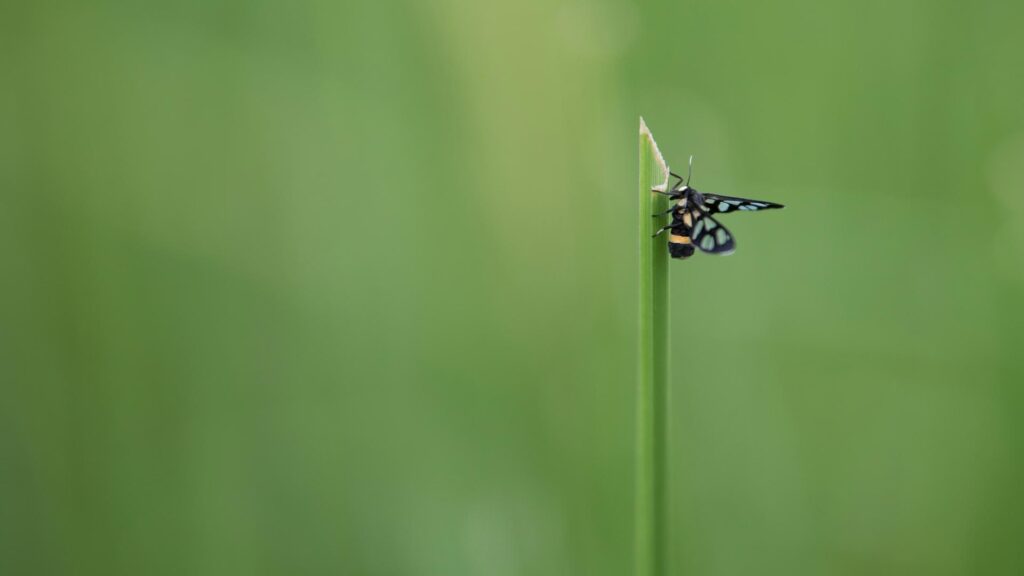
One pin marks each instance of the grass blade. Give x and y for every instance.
(652, 381)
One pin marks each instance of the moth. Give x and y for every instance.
(692, 222)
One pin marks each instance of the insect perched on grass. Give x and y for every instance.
(692, 223)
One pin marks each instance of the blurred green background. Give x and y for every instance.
(350, 287)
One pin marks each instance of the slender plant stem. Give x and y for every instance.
(652, 381)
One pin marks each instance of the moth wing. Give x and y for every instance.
(717, 204)
(710, 236)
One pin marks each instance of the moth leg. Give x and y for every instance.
(663, 192)
(669, 211)
(678, 177)
(663, 228)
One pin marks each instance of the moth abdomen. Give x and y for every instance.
(679, 244)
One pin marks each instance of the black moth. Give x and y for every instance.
(692, 223)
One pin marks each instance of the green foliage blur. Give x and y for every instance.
(323, 287)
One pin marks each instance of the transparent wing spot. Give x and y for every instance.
(710, 236)
(715, 204)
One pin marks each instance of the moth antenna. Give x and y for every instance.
(689, 172)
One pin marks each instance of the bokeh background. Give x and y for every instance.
(321, 287)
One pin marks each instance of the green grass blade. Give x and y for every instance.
(652, 381)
